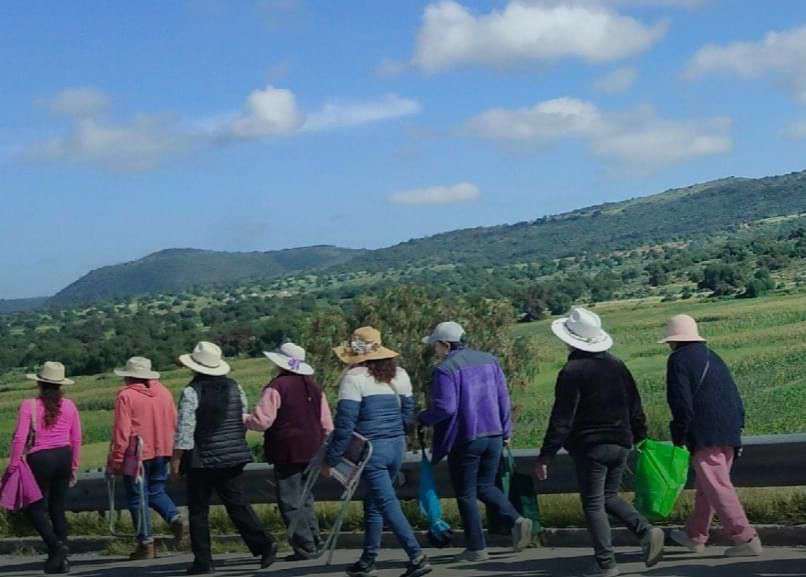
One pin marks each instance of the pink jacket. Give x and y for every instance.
(65, 432)
(147, 410)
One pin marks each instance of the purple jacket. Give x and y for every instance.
(469, 399)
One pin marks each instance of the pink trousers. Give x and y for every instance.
(716, 494)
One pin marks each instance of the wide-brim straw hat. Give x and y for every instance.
(206, 359)
(50, 372)
(365, 345)
(582, 329)
(682, 329)
(138, 368)
(291, 358)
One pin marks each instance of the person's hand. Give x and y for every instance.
(176, 474)
(541, 470)
(73, 479)
(507, 442)
(326, 472)
(110, 472)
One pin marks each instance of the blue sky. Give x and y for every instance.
(266, 124)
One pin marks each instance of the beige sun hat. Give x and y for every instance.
(138, 368)
(50, 372)
(206, 359)
(365, 345)
(290, 357)
(582, 329)
(682, 329)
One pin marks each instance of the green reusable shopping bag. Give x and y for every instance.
(520, 489)
(661, 472)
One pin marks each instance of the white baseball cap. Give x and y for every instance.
(449, 332)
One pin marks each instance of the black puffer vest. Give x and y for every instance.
(223, 445)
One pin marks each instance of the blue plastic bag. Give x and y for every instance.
(440, 534)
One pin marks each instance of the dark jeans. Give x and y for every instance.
(290, 481)
(381, 503)
(52, 468)
(228, 484)
(599, 472)
(154, 479)
(473, 467)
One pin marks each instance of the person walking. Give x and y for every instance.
(49, 431)
(598, 417)
(145, 421)
(295, 418)
(211, 451)
(376, 401)
(707, 417)
(470, 410)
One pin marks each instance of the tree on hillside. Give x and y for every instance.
(722, 279)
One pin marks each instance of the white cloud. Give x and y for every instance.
(638, 138)
(268, 112)
(616, 81)
(453, 36)
(339, 115)
(796, 131)
(81, 101)
(779, 55)
(462, 192)
(663, 3)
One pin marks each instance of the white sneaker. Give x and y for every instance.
(682, 539)
(752, 548)
(521, 534)
(468, 556)
(597, 571)
(652, 545)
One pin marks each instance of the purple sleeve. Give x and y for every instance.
(443, 400)
(504, 402)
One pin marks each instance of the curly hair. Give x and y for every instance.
(383, 370)
(51, 396)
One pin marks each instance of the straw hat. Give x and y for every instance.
(582, 329)
(682, 329)
(365, 345)
(50, 372)
(291, 357)
(206, 359)
(138, 368)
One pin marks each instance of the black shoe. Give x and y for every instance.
(199, 568)
(420, 566)
(57, 562)
(362, 568)
(304, 554)
(269, 555)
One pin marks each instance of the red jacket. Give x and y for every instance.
(146, 409)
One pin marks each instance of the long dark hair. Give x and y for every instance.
(51, 396)
(382, 370)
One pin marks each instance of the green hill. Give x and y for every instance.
(174, 270)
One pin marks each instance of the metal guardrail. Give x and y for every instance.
(768, 461)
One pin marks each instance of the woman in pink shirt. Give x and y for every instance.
(295, 418)
(53, 457)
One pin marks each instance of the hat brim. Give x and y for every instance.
(347, 356)
(148, 375)
(38, 379)
(222, 369)
(561, 332)
(282, 361)
(682, 339)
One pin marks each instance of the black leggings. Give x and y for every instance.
(52, 468)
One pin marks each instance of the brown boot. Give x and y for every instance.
(144, 551)
(178, 529)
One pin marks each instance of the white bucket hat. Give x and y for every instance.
(682, 329)
(50, 372)
(582, 329)
(290, 357)
(206, 359)
(138, 368)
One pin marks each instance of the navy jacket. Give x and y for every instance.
(710, 414)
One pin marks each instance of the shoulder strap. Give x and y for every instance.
(704, 373)
(34, 416)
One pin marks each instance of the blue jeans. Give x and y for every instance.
(473, 467)
(381, 502)
(154, 478)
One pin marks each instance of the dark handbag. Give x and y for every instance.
(520, 490)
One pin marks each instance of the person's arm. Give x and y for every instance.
(244, 403)
(504, 402)
(75, 443)
(444, 400)
(265, 412)
(347, 412)
(637, 416)
(185, 427)
(326, 416)
(20, 432)
(680, 399)
(566, 398)
(121, 432)
(407, 403)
